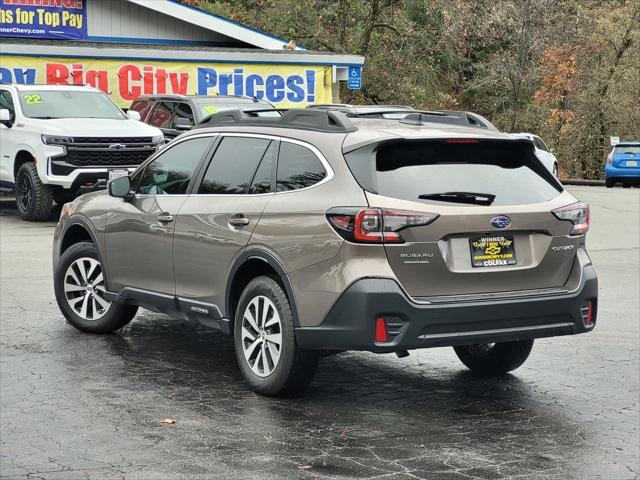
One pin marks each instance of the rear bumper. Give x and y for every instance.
(350, 324)
(622, 172)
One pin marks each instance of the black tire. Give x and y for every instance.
(296, 367)
(609, 182)
(116, 316)
(555, 170)
(495, 359)
(33, 198)
(626, 185)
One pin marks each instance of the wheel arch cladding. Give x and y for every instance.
(248, 266)
(22, 157)
(79, 230)
(76, 233)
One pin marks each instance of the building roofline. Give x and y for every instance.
(173, 53)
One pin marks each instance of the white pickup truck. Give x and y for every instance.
(59, 141)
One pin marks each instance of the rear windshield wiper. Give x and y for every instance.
(46, 118)
(460, 197)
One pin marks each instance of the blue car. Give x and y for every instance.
(623, 165)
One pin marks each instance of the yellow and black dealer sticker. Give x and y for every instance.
(492, 251)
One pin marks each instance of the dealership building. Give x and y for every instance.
(129, 48)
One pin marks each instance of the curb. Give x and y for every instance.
(578, 181)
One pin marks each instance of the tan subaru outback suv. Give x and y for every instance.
(316, 232)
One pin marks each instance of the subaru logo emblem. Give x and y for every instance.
(501, 221)
(117, 146)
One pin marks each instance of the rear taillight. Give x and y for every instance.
(610, 158)
(375, 225)
(576, 213)
(367, 226)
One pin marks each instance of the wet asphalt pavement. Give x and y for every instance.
(81, 406)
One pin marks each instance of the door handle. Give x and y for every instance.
(165, 218)
(238, 220)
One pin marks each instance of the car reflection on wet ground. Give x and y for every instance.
(85, 406)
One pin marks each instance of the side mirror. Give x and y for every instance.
(133, 115)
(5, 117)
(120, 188)
(182, 124)
(552, 150)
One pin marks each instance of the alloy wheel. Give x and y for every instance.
(84, 289)
(24, 195)
(261, 336)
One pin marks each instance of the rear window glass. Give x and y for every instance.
(627, 149)
(506, 171)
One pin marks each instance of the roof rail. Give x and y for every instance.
(377, 112)
(350, 105)
(449, 117)
(304, 119)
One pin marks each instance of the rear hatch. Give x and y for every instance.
(626, 156)
(495, 230)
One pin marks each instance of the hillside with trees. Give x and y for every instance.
(568, 70)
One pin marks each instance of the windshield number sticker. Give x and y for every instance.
(210, 109)
(31, 99)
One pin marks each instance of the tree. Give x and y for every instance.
(568, 70)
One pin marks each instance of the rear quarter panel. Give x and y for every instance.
(293, 226)
(294, 229)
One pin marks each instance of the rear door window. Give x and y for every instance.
(234, 165)
(264, 178)
(298, 167)
(162, 114)
(409, 170)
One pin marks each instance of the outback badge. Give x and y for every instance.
(501, 221)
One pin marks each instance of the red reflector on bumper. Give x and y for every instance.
(381, 330)
(587, 314)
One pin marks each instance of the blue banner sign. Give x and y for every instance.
(44, 19)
